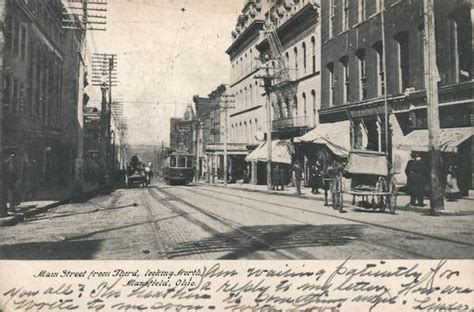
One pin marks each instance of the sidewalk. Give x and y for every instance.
(464, 206)
(44, 200)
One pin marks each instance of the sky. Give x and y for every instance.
(165, 56)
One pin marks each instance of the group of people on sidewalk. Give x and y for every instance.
(418, 177)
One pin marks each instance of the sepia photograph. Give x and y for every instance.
(237, 129)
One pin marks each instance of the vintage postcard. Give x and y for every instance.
(237, 155)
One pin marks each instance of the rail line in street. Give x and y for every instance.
(211, 194)
(295, 254)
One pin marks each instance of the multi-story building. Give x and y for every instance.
(355, 82)
(33, 73)
(182, 132)
(295, 112)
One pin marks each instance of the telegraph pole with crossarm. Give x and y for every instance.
(227, 104)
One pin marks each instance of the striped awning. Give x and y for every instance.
(449, 139)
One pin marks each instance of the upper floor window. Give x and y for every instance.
(345, 15)
(313, 54)
(403, 60)
(332, 83)
(296, 62)
(461, 32)
(345, 75)
(305, 112)
(304, 57)
(362, 9)
(331, 18)
(362, 75)
(380, 69)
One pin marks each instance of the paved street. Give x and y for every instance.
(209, 222)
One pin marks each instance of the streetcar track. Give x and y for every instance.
(231, 224)
(299, 221)
(160, 247)
(386, 227)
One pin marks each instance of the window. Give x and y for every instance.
(331, 18)
(251, 95)
(313, 104)
(189, 162)
(8, 33)
(182, 161)
(304, 57)
(380, 69)
(461, 32)
(251, 60)
(296, 62)
(403, 61)
(16, 36)
(173, 161)
(305, 112)
(362, 75)
(330, 68)
(362, 8)
(313, 54)
(345, 74)
(345, 15)
(23, 42)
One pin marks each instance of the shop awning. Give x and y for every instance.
(449, 139)
(281, 152)
(336, 136)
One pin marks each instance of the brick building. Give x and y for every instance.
(33, 76)
(33, 91)
(354, 82)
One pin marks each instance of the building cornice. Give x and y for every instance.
(301, 19)
(251, 32)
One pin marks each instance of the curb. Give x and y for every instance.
(17, 218)
(349, 203)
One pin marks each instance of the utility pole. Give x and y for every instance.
(227, 105)
(268, 84)
(384, 60)
(431, 86)
(104, 74)
(3, 205)
(103, 135)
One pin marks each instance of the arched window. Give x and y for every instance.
(251, 95)
(313, 54)
(304, 57)
(403, 60)
(362, 74)
(305, 113)
(314, 108)
(295, 50)
(251, 60)
(287, 59)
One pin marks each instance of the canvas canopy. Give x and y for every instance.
(367, 163)
(336, 136)
(449, 139)
(281, 152)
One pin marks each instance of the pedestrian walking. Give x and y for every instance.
(276, 178)
(415, 173)
(452, 188)
(11, 177)
(297, 175)
(315, 178)
(282, 178)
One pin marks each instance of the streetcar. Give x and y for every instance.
(178, 168)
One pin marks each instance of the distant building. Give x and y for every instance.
(182, 132)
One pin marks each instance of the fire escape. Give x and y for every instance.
(283, 89)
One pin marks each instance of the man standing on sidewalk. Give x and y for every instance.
(297, 177)
(10, 178)
(415, 180)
